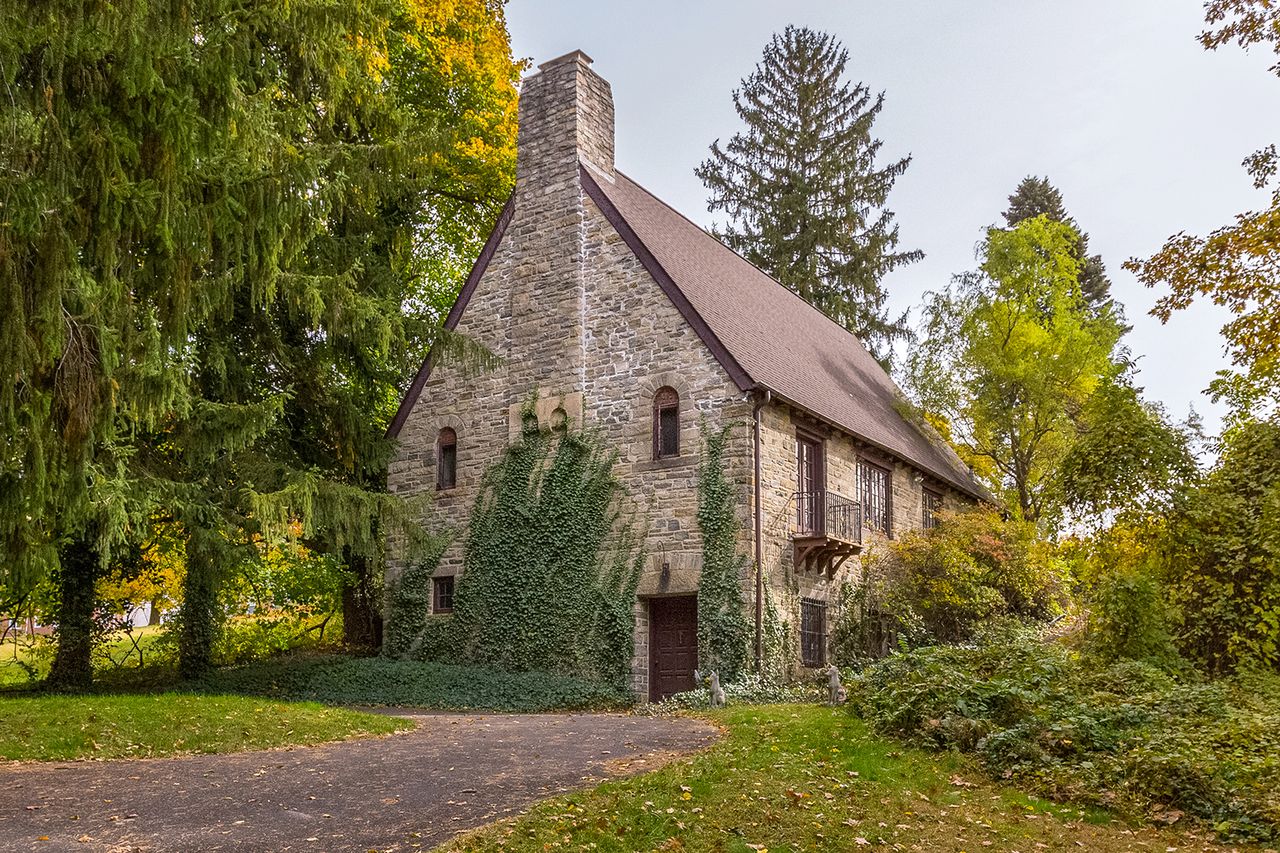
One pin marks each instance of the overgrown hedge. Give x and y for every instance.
(380, 681)
(1125, 735)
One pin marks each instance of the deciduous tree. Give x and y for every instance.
(1237, 265)
(1010, 356)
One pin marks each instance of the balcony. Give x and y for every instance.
(826, 531)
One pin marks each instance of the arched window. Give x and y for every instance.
(447, 459)
(666, 423)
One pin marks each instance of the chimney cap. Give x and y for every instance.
(572, 56)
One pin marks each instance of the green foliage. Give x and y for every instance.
(409, 609)
(776, 646)
(1034, 197)
(416, 684)
(1221, 558)
(943, 585)
(722, 622)
(1127, 456)
(1124, 735)
(59, 728)
(1129, 619)
(803, 192)
(551, 569)
(260, 212)
(1010, 356)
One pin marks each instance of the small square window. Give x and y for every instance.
(442, 595)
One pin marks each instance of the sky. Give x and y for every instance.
(1140, 128)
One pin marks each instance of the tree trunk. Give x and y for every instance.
(153, 616)
(198, 619)
(361, 613)
(73, 661)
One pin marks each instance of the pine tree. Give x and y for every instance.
(1034, 197)
(161, 183)
(803, 193)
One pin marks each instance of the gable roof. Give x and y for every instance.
(775, 337)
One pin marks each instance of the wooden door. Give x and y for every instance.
(673, 645)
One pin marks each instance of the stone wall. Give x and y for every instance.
(787, 586)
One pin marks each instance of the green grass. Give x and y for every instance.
(793, 777)
(25, 660)
(96, 726)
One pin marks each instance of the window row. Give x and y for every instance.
(873, 487)
(666, 438)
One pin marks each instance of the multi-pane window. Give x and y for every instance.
(442, 595)
(447, 459)
(931, 506)
(813, 632)
(873, 492)
(666, 423)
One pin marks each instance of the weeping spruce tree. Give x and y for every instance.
(170, 168)
(147, 186)
(802, 189)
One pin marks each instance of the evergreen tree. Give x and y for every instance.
(168, 166)
(804, 195)
(1034, 197)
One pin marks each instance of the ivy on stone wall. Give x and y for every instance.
(409, 626)
(775, 643)
(550, 569)
(722, 622)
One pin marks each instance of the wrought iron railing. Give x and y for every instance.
(825, 514)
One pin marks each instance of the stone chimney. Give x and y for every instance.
(566, 113)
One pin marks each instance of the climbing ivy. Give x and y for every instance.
(722, 621)
(775, 643)
(408, 632)
(551, 568)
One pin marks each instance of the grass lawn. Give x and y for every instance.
(150, 725)
(792, 777)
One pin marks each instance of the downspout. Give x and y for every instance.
(761, 402)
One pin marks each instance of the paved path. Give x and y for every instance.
(402, 792)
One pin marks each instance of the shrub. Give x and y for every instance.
(380, 681)
(1222, 554)
(1126, 735)
(1129, 618)
(749, 690)
(943, 585)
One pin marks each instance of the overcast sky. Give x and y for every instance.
(1114, 100)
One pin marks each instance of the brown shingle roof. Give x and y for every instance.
(776, 338)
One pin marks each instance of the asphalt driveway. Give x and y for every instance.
(403, 792)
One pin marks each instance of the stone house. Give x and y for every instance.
(617, 312)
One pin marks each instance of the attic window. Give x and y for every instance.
(446, 459)
(666, 423)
